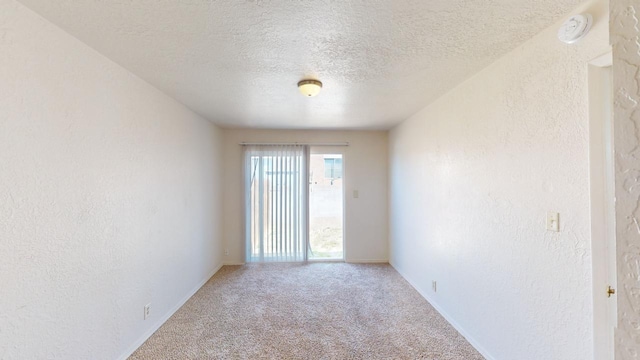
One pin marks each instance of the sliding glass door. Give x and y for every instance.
(276, 191)
(294, 203)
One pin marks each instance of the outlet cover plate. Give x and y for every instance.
(147, 311)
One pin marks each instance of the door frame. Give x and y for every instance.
(602, 187)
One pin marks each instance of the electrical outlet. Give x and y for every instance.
(226, 252)
(147, 311)
(434, 286)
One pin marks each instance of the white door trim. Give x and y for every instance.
(602, 187)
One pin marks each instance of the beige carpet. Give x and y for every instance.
(307, 311)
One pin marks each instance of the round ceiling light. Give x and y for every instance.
(310, 88)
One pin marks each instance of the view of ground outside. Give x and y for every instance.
(325, 207)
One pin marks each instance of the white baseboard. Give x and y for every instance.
(349, 261)
(166, 317)
(365, 261)
(451, 321)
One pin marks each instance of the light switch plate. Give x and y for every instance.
(553, 221)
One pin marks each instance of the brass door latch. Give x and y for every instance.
(610, 291)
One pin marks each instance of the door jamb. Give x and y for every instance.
(602, 223)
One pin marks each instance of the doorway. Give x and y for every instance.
(326, 205)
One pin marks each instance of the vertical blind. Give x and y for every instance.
(276, 197)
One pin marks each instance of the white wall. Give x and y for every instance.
(625, 37)
(472, 177)
(109, 198)
(366, 170)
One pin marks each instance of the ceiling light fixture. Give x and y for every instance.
(310, 88)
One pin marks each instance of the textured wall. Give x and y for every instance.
(472, 177)
(109, 194)
(625, 38)
(366, 169)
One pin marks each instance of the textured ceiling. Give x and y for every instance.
(237, 63)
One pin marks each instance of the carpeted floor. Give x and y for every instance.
(307, 311)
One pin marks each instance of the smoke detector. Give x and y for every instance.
(575, 28)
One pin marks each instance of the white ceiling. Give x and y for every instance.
(237, 63)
